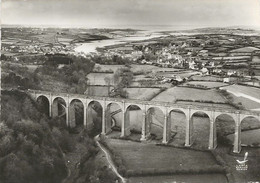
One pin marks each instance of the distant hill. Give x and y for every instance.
(221, 30)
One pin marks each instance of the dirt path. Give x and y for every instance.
(110, 161)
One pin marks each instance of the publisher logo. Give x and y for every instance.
(242, 166)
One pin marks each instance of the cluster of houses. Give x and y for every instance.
(36, 48)
(218, 54)
(224, 55)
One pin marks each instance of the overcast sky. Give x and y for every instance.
(102, 13)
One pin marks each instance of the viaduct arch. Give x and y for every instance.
(165, 107)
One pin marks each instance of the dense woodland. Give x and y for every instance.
(33, 146)
(72, 74)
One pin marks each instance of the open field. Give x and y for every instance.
(207, 78)
(141, 77)
(150, 68)
(107, 68)
(212, 78)
(206, 83)
(99, 78)
(143, 68)
(48, 37)
(231, 58)
(256, 59)
(142, 93)
(183, 74)
(248, 137)
(252, 174)
(247, 103)
(252, 83)
(248, 96)
(250, 91)
(181, 93)
(202, 178)
(223, 106)
(138, 156)
(102, 91)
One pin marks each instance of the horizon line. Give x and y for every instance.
(127, 26)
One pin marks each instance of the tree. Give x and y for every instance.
(123, 78)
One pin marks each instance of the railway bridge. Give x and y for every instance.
(144, 106)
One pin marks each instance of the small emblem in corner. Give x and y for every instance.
(242, 166)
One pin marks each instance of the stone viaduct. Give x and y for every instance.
(165, 107)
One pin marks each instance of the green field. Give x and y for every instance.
(248, 137)
(252, 174)
(107, 68)
(250, 91)
(183, 74)
(138, 156)
(247, 103)
(206, 83)
(203, 178)
(99, 78)
(248, 96)
(256, 59)
(207, 78)
(142, 93)
(149, 68)
(181, 93)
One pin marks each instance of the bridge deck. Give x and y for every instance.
(144, 102)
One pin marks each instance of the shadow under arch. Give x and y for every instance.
(133, 121)
(59, 107)
(154, 123)
(94, 117)
(177, 119)
(114, 118)
(44, 104)
(76, 113)
(200, 129)
(224, 126)
(250, 131)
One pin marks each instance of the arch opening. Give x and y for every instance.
(200, 129)
(225, 129)
(133, 122)
(44, 104)
(94, 117)
(59, 107)
(155, 123)
(114, 118)
(177, 120)
(250, 131)
(76, 114)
